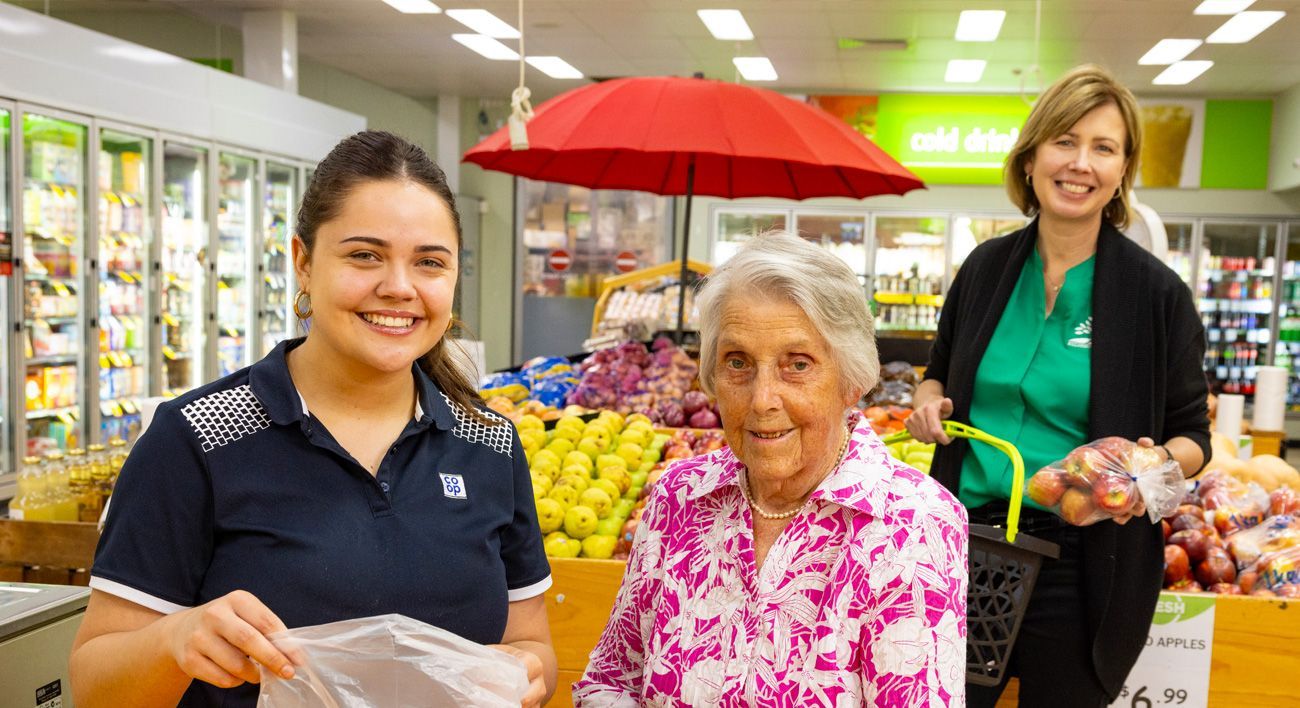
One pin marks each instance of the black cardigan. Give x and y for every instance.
(1148, 347)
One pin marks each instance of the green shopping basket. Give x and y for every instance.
(1004, 565)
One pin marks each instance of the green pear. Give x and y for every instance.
(550, 515)
(599, 546)
(580, 522)
(598, 501)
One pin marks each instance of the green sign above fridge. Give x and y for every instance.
(943, 139)
(953, 139)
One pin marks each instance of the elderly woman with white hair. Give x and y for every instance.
(800, 565)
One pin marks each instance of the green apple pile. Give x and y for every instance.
(587, 478)
(913, 454)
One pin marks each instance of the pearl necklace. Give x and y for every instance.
(763, 513)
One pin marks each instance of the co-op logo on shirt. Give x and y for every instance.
(453, 485)
(1082, 338)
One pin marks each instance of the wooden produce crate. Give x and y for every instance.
(578, 605)
(51, 552)
(1252, 662)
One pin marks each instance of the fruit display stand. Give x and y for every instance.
(664, 314)
(1252, 662)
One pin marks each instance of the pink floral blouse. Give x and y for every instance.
(861, 601)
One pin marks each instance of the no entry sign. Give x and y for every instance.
(559, 260)
(626, 262)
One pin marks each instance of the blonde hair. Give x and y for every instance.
(1065, 102)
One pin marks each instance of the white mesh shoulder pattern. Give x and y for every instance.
(496, 437)
(225, 416)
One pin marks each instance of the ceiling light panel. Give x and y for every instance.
(554, 67)
(964, 71)
(1244, 26)
(979, 25)
(484, 23)
(1182, 72)
(414, 7)
(1222, 7)
(1168, 51)
(755, 68)
(486, 46)
(726, 24)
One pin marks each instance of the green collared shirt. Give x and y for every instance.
(1033, 384)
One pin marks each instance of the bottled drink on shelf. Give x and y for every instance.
(63, 504)
(28, 505)
(94, 467)
(117, 452)
(79, 484)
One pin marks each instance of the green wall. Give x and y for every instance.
(1236, 145)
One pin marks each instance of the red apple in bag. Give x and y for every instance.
(1047, 486)
(1083, 465)
(1114, 494)
(1077, 507)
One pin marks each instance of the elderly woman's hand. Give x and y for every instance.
(926, 423)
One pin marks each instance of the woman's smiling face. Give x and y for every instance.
(382, 275)
(1076, 174)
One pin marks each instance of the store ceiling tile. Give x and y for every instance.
(609, 38)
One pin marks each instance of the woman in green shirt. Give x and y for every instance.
(1062, 333)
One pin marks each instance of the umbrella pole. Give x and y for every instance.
(686, 249)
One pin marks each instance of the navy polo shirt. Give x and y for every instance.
(235, 486)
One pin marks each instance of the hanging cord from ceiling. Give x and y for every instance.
(521, 110)
(1034, 68)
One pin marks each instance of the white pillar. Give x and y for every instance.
(271, 48)
(448, 156)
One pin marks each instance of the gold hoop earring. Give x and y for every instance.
(1029, 179)
(297, 305)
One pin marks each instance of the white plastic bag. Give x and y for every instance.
(390, 661)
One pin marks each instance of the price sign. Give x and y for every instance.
(1174, 668)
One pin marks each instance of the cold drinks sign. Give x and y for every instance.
(943, 139)
(951, 139)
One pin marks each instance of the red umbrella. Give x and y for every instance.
(677, 136)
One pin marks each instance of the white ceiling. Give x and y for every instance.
(415, 55)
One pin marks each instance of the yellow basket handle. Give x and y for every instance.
(960, 430)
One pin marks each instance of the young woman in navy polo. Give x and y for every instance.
(351, 473)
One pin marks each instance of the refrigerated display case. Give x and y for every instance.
(908, 278)
(125, 182)
(236, 225)
(54, 316)
(969, 231)
(734, 227)
(183, 262)
(1235, 297)
(1287, 347)
(1181, 235)
(7, 476)
(276, 320)
(845, 235)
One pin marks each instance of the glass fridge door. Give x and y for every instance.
(1181, 239)
(909, 274)
(6, 270)
(125, 233)
(54, 208)
(845, 235)
(184, 258)
(236, 188)
(1287, 352)
(1235, 297)
(735, 226)
(281, 199)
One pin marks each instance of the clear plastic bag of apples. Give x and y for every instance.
(1107, 479)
